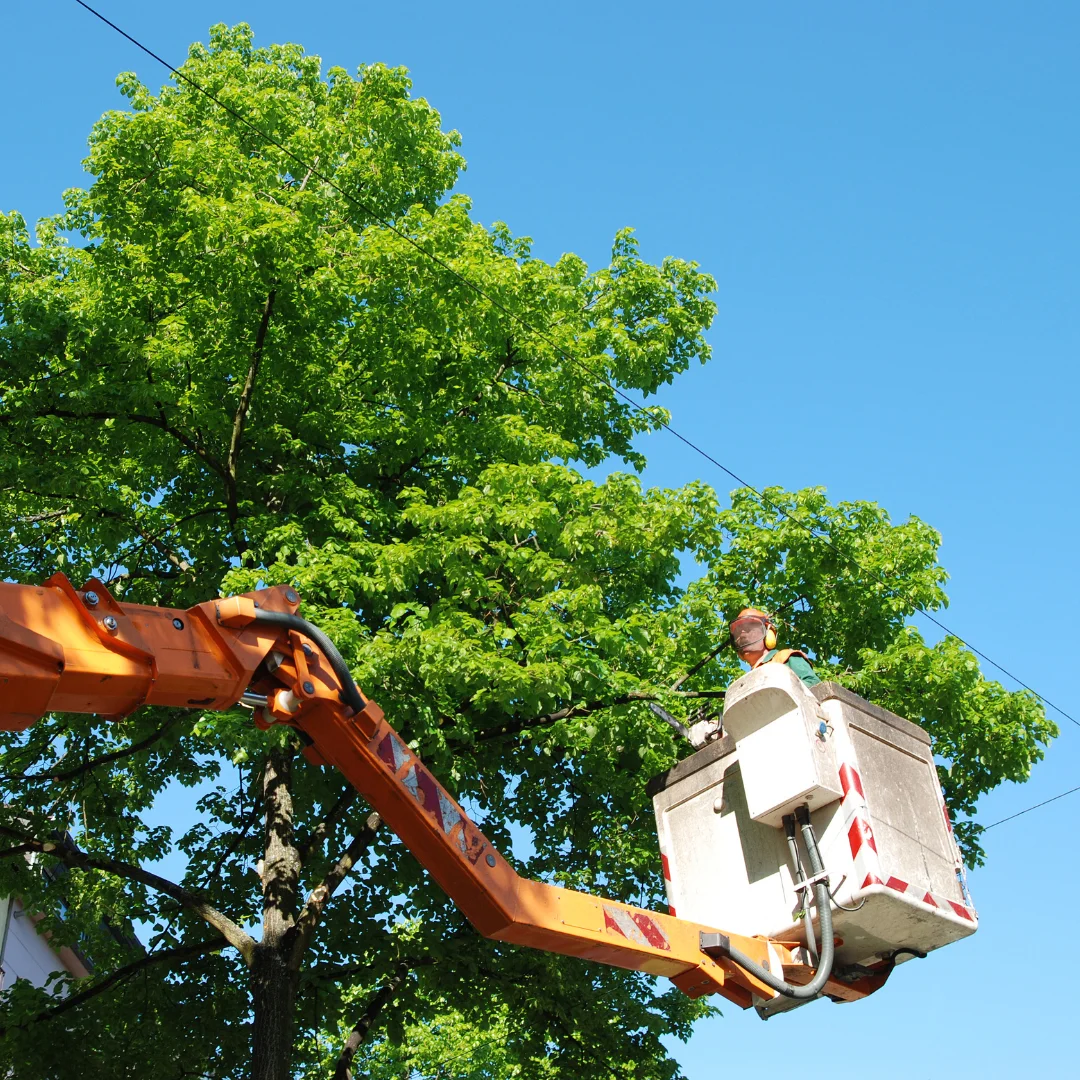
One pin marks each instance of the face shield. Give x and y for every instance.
(748, 633)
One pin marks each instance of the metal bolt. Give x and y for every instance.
(90, 599)
(309, 688)
(490, 860)
(307, 649)
(109, 623)
(256, 603)
(178, 623)
(291, 596)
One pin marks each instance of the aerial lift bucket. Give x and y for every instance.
(868, 777)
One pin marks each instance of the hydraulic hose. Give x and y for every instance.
(350, 693)
(800, 877)
(720, 943)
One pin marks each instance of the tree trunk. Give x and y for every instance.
(274, 981)
(273, 990)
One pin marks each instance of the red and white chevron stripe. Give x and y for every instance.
(636, 926)
(864, 852)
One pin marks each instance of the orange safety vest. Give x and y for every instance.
(782, 656)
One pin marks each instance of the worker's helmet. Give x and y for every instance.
(751, 630)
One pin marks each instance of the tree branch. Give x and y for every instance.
(343, 1070)
(336, 972)
(116, 755)
(160, 421)
(68, 853)
(167, 956)
(236, 841)
(33, 519)
(701, 663)
(320, 895)
(233, 460)
(18, 849)
(323, 829)
(513, 727)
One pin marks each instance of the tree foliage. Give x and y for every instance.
(239, 376)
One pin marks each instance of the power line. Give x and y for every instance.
(1021, 813)
(543, 335)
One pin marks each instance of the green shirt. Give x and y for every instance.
(797, 664)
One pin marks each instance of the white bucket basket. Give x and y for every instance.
(876, 806)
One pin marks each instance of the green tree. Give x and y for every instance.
(238, 375)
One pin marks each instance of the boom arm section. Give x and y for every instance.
(69, 650)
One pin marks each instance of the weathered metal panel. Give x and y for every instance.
(886, 841)
(787, 754)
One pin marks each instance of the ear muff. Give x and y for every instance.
(770, 636)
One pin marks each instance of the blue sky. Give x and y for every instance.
(886, 195)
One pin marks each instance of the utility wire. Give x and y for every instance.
(543, 335)
(1021, 813)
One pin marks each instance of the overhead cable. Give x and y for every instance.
(1021, 813)
(543, 335)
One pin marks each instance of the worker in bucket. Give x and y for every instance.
(754, 637)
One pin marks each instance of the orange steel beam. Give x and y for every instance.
(69, 650)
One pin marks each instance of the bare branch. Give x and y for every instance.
(320, 895)
(71, 855)
(343, 1070)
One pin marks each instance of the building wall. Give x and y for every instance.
(24, 953)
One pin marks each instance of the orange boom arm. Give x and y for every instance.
(69, 650)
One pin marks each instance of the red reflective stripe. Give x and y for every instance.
(855, 837)
(871, 879)
(430, 792)
(858, 834)
(611, 924)
(653, 934)
(636, 927)
(897, 884)
(928, 899)
(961, 910)
(386, 751)
(849, 779)
(667, 868)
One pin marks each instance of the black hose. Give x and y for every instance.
(350, 693)
(720, 942)
(800, 876)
